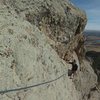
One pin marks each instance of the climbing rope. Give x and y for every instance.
(31, 86)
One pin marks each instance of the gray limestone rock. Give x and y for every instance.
(37, 37)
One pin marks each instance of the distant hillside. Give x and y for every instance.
(92, 33)
(92, 37)
(93, 49)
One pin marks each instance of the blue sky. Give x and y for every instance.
(92, 8)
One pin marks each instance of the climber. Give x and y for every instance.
(74, 68)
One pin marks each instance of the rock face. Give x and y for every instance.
(59, 20)
(37, 37)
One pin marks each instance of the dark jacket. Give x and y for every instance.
(74, 66)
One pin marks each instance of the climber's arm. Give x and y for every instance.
(69, 62)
